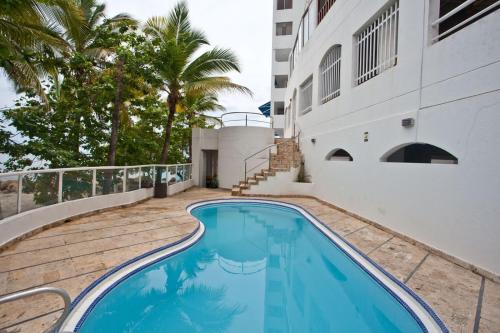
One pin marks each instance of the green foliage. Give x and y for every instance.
(100, 91)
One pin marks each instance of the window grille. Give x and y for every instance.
(377, 45)
(306, 96)
(323, 8)
(330, 74)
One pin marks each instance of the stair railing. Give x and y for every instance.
(267, 157)
(43, 290)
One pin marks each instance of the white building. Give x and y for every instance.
(286, 19)
(416, 83)
(395, 105)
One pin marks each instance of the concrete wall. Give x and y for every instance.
(236, 144)
(18, 225)
(452, 89)
(203, 139)
(283, 183)
(283, 42)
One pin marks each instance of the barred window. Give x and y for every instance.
(329, 70)
(305, 97)
(377, 45)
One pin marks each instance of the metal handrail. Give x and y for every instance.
(27, 172)
(92, 172)
(245, 119)
(43, 290)
(268, 158)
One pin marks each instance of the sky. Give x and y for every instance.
(243, 26)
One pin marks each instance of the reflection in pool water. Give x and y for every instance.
(258, 268)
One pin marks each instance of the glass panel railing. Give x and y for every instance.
(43, 188)
(9, 188)
(181, 173)
(109, 181)
(172, 175)
(39, 190)
(133, 176)
(147, 177)
(76, 185)
(161, 175)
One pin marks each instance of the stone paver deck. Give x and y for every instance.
(76, 253)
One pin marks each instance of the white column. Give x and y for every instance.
(60, 187)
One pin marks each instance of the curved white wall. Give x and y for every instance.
(452, 90)
(237, 143)
(21, 224)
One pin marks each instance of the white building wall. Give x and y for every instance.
(233, 145)
(452, 90)
(283, 42)
(236, 144)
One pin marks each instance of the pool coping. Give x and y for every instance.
(85, 302)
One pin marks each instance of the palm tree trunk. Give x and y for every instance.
(172, 103)
(115, 119)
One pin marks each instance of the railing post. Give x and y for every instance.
(246, 120)
(94, 182)
(19, 192)
(269, 157)
(245, 175)
(60, 187)
(140, 177)
(125, 176)
(153, 174)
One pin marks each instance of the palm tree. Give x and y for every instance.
(194, 104)
(175, 46)
(84, 41)
(29, 35)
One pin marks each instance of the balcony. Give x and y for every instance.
(323, 8)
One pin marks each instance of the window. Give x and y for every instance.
(455, 15)
(419, 153)
(280, 81)
(329, 70)
(377, 45)
(285, 4)
(283, 28)
(305, 97)
(306, 27)
(339, 155)
(281, 55)
(279, 108)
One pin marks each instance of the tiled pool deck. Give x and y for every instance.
(76, 253)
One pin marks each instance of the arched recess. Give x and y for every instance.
(419, 153)
(339, 155)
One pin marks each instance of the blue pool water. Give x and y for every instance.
(258, 268)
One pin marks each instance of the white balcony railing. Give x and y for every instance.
(324, 8)
(26, 190)
(461, 16)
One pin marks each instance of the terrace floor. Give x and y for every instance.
(76, 253)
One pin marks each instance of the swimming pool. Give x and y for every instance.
(252, 266)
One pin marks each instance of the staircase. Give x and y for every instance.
(287, 156)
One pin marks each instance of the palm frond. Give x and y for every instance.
(218, 84)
